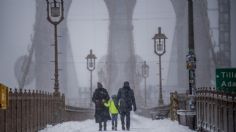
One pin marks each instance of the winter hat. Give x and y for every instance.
(113, 96)
(126, 84)
(99, 85)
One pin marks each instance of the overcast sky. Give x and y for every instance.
(16, 26)
(88, 26)
(88, 29)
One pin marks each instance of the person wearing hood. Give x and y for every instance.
(126, 100)
(101, 111)
(113, 106)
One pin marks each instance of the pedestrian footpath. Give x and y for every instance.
(138, 124)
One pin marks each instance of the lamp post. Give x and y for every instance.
(145, 74)
(91, 66)
(160, 49)
(55, 14)
(191, 57)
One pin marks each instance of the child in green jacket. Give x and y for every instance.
(112, 104)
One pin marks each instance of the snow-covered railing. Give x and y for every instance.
(29, 111)
(216, 110)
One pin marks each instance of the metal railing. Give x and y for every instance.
(216, 110)
(30, 111)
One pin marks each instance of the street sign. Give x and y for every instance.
(226, 79)
(3, 96)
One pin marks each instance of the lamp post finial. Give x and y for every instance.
(159, 30)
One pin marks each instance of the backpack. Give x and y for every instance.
(126, 99)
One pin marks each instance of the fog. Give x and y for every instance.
(88, 28)
(90, 18)
(17, 20)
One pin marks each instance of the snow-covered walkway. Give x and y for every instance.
(138, 124)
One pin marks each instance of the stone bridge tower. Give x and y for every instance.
(43, 40)
(121, 61)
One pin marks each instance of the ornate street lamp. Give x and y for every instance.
(160, 49)
(55, 14)
(91, 66)
(191, 57)
(145, 74)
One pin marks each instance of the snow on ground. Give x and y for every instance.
(138, 124)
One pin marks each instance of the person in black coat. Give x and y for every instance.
(101, 112)
(126, 100)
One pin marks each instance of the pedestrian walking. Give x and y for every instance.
(101, 111)
(112, 104)
(126, 100)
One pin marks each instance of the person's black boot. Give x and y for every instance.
(123, 127)
(127, 127)
(112, 128)
(105, 126)
(116, 125)
(100, 126)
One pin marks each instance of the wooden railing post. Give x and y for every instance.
(51, 109)
(40, 110)
(47, 108)
(18, 111)
(14, 106)
(30, 112)
(23, 111)
(43, 109)
(34, 110)
(37, 108)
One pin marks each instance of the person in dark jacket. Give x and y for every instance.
(101, 111)
(126, 100)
